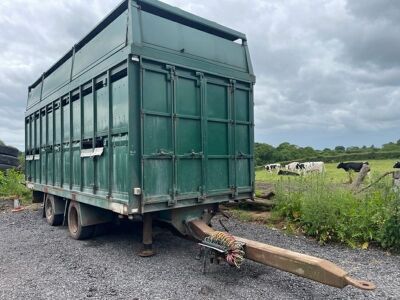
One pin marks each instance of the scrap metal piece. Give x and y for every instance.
(212, 251)
(310, 267)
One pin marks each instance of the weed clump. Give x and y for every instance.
(12, 185)
(333, 213)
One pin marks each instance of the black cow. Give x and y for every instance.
(354, 166)
(397, 165)
(288, 173)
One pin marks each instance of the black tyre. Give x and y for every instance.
(76, 230)
(51, 218)
(11, 151)
(4, 167)
(9, 160)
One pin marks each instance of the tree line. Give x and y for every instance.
(286, 152)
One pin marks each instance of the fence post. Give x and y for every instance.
(361, 176)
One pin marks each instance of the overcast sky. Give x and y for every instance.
(328, 71)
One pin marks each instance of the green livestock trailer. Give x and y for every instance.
(150, 116)
(151, 113)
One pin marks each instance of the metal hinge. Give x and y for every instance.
(200, 78)
(232, 84)
(171, 202)
(172, 72)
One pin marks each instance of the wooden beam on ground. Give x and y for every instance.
(302, 265)
(256, 205)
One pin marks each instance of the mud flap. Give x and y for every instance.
(91, 215)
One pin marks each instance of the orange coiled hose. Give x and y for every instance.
(235, 252)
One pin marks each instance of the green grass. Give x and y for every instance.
(334, 213)
(324, 206)
(378, 167)
(12, 184)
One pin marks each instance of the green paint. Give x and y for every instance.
(176, 121)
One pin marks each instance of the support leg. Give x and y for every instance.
(147, 249)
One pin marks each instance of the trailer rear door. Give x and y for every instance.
(196, 135)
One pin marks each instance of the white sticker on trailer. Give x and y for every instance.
(98, 151)
(86, 152)
(91, 153)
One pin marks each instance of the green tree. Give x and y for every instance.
(352, 149)
(308, 151)
(287, 151)
(390, 147)
(327, 151)
(340, 148)
(263, 153)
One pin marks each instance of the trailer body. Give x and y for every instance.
(152, 111)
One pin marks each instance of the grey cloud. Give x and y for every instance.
(328, 71)
(33, 35)
(374, 43)
(375, 9)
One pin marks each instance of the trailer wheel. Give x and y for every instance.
(49, 209)
(76, 230)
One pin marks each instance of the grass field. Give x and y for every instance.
(378, 167)
(326, 207)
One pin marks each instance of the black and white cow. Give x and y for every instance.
(313, 166)
(352, 166)
(272, 167)
(397, 165)
(292, 166)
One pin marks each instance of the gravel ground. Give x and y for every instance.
(41, 262)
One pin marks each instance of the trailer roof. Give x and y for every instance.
(155, 7)
(180, 16)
